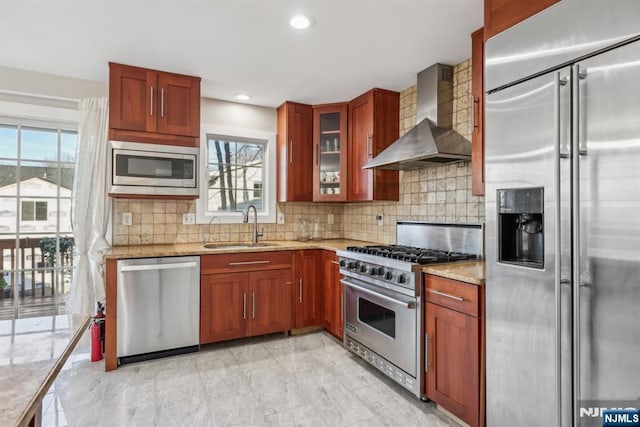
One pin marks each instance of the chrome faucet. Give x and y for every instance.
(245, 219)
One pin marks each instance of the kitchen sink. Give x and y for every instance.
(237, 245)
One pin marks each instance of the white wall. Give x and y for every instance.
(237, 116)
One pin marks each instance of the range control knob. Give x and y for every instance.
(376, 271)
(389, 275)
(352, 265)
(402, 278)
(343, 263)
(364, 268)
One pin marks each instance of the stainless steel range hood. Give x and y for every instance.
(432, 142)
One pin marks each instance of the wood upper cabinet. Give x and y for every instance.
(333, 293)
(153, 106)
(453, 321)
(477, 92)
(502, 14)
(374, 121)
(307, 289)
(295, 152)
(330, 152)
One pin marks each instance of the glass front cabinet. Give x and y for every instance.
(330, 152)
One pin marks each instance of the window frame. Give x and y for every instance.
(268, 215)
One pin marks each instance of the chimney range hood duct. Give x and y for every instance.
(432, 142)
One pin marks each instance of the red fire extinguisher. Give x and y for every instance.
(96, 350)
(97, 334)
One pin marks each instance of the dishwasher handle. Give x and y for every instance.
(149, 267)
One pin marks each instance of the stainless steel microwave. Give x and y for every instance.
(151, 169)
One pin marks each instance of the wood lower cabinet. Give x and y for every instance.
(294, 144)
(334, 295)
(374, 124)
(453, 322)
(153, 106)
(245, 294)
(502, 14)
(223, 306)
(477, 92)
(308, 301)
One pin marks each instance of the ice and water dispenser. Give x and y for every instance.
(520, 227)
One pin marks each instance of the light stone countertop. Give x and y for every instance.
(179, 249)
(33, 350)
(471, 272)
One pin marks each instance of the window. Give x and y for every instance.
(233, 168)
(33, 211)
(238, 170)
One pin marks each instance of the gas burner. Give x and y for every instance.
(411, 254)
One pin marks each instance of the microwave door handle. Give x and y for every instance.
(409, 305)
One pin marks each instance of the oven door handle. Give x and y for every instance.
(410, 304)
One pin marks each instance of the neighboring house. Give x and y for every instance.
(38, 209)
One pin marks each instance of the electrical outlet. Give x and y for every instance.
(188, 218)
(330, 219)
(380, 219)
(127, 218)
(280, 218)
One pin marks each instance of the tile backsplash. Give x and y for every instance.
(439, 194)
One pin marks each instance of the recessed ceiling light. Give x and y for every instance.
(300, 22)
(243, 97)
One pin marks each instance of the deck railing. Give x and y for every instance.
(34, 274)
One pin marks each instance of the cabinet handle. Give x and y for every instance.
(335, 262)
(342, 306)
(290, 151)
(162, 102)
(476, 110)
(369, 145)
(249, 262)
(253, 305)
(427, 359)
(318, 154)
(455, 297)
(151, 102)
(244, 305)
(300, 292)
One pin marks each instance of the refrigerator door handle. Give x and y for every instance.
(575, 196)
(582, 148)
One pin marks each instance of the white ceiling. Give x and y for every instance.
(244, 45)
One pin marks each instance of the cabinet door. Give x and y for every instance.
(452, 361)
(295, 152)
(223, 306)
(477, 91)
(133, 95)
(308, 301)
(330, 152)
(374, 123)
(333, 311)
(360, 148)
(178, 104)
(270, 302)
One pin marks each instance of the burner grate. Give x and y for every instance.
(411, 254)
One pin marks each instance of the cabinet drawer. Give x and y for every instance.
(459, 296)
(245, 261)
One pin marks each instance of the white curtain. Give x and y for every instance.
(91, 206)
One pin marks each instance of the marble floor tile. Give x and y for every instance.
(306, 380)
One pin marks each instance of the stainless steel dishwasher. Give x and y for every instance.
(158, 307)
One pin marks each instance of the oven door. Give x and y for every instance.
(384, 321)
(154, 169)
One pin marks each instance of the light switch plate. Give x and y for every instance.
(189, 218)
(380, 219)
(127, 218)
(280, 218)
(330, 219)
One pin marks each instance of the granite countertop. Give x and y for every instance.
(470, 272)
(179, 249)
(32, 353)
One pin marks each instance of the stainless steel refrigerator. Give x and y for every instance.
(562, 159)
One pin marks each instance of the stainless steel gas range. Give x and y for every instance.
(383, 320)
